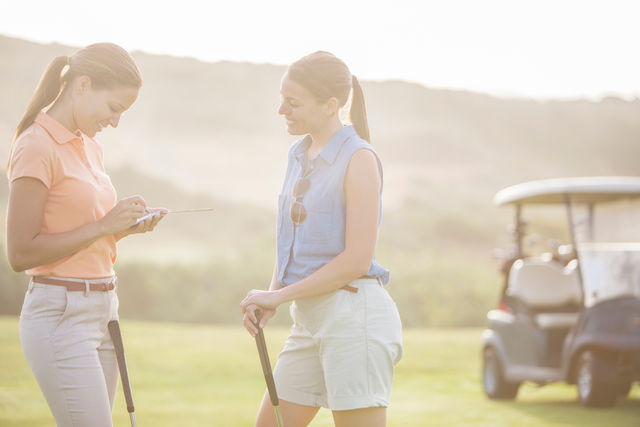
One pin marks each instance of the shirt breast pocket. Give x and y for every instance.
(318, 226)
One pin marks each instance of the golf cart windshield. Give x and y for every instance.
(608, 242)
(604, 216)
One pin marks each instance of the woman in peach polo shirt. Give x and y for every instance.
(62, 227)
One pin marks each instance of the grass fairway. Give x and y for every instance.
(203, 375)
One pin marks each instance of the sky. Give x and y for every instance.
(540, 49)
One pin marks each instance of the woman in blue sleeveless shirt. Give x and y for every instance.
(347, 336)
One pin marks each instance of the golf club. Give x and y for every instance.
(266, 368)
(116, 337)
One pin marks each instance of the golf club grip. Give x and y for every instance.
(116, 337)
(266, 364)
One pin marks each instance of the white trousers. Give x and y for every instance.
(66, 342)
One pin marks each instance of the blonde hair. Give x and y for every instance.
(326, 76)
(106, 64)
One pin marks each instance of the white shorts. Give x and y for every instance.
(342, 349)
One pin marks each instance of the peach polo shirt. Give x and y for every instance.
(80, 192)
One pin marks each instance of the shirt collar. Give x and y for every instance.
(57, 131)
(330, 151)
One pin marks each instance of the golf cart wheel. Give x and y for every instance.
(493, 380)
(595, 388)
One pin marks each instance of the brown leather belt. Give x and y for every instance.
(77, 286)
(353, 289)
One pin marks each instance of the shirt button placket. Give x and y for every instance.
(83, 155)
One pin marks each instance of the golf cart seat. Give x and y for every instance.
(550, 290)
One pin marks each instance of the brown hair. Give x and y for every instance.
(106, 64)
(326, 76)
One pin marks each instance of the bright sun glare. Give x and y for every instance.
(533, 48)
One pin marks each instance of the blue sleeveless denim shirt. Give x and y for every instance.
(303, 249)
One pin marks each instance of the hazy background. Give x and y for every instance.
(542, 91)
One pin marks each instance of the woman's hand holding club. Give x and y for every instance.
(265, 302)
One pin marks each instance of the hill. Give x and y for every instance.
(214, 127)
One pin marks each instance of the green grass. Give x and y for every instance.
(207, 375)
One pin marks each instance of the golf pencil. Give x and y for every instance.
(153, 214)
(192, 210)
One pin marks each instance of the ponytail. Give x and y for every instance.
(47, 91)
(358, 112)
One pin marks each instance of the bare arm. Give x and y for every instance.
(362, 195)
(27, 247)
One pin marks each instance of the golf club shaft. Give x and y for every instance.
(278, 417)
(266, 364)
(266, 369)
(116, 337)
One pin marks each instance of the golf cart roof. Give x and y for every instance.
(581, 190)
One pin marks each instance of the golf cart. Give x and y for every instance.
(572, 314)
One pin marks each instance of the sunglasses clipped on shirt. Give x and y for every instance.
(298, 212)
